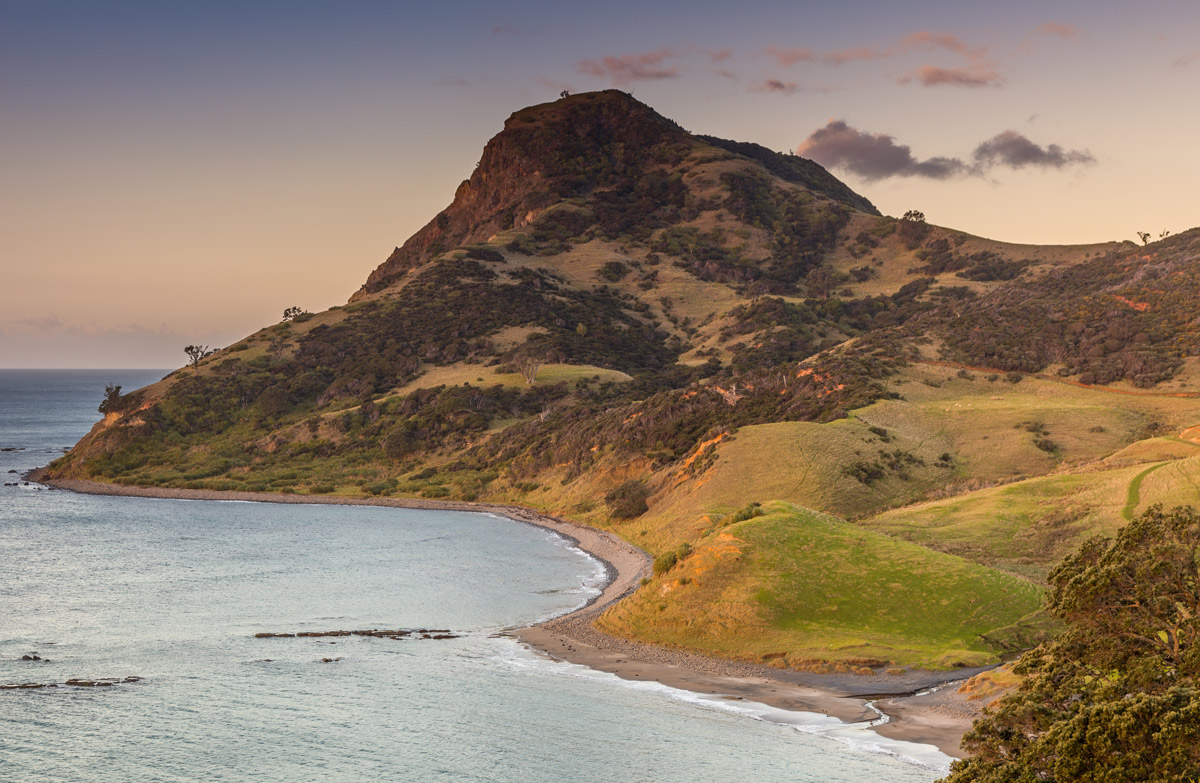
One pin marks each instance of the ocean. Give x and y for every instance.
(172, 592)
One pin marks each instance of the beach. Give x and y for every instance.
(937, 718)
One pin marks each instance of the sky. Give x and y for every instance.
(179, 173)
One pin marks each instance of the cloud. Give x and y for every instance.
(786, 57)
(872, 156)
(929, 41)
(1054, 28)
(970, 76)
(632, 67)
(452, 81)
(1013, 150)
(775, 85)
(876, 156)
(505, 29)
(720, 55)
(1184, 60)
(975, 72)
(920, 41)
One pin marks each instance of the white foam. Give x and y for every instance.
(857, 736)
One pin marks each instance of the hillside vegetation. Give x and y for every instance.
(648, 331)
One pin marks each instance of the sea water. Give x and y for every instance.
(173, 592)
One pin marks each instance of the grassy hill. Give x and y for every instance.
(647, 330)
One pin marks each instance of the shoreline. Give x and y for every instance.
(938, 719)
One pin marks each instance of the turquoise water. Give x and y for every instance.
(173, 592)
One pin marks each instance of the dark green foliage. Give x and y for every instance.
(668, 424)
(628, 500)
(1125, 316)
(613, 271)
(912, 229)
(113, 402)
(794, 168)
(1117, 696)
(749, 512)
(895, 463)
(1046, 445)
(449, 311)
(665, 562)
(484, 253)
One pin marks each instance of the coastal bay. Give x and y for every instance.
(938, 719)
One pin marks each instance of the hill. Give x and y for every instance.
(649, 331)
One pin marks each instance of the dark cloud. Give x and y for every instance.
(632, 67)
(775, 85)
(872, 156)
(876, 156)
(970, 76)
(1013, 150)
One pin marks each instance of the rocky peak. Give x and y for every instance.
(544, 154)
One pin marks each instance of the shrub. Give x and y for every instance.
(628, 500)
(613, 271)
(480, 253)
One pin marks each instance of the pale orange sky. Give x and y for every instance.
(175, 176)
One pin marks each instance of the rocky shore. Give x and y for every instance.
(915, 715)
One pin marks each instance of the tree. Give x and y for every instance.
(564, 94)
(196, 353)
(913, 229)
(529, 367)
(112, 399)
(278, 347)
(292, 313)
(1116, 697)
(1144, 236)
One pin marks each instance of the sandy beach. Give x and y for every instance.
(939, 718)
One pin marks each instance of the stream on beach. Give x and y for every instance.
(172, 592)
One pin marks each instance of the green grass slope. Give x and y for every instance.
(804, 589)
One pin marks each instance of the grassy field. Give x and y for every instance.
(478, 375)
(803, 589)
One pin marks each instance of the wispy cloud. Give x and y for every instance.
(719, 55)
(968, 76)
(975, 71)
(505, 29)
(632, 67)
(776, 85)
(1060, 30)
(930, 41)
(786, 57)
(1184, 60)
(877, 156)
(452, 81)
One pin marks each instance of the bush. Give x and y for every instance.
(665, 562)
(628, 500)
(613, 271)
(480, 253)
